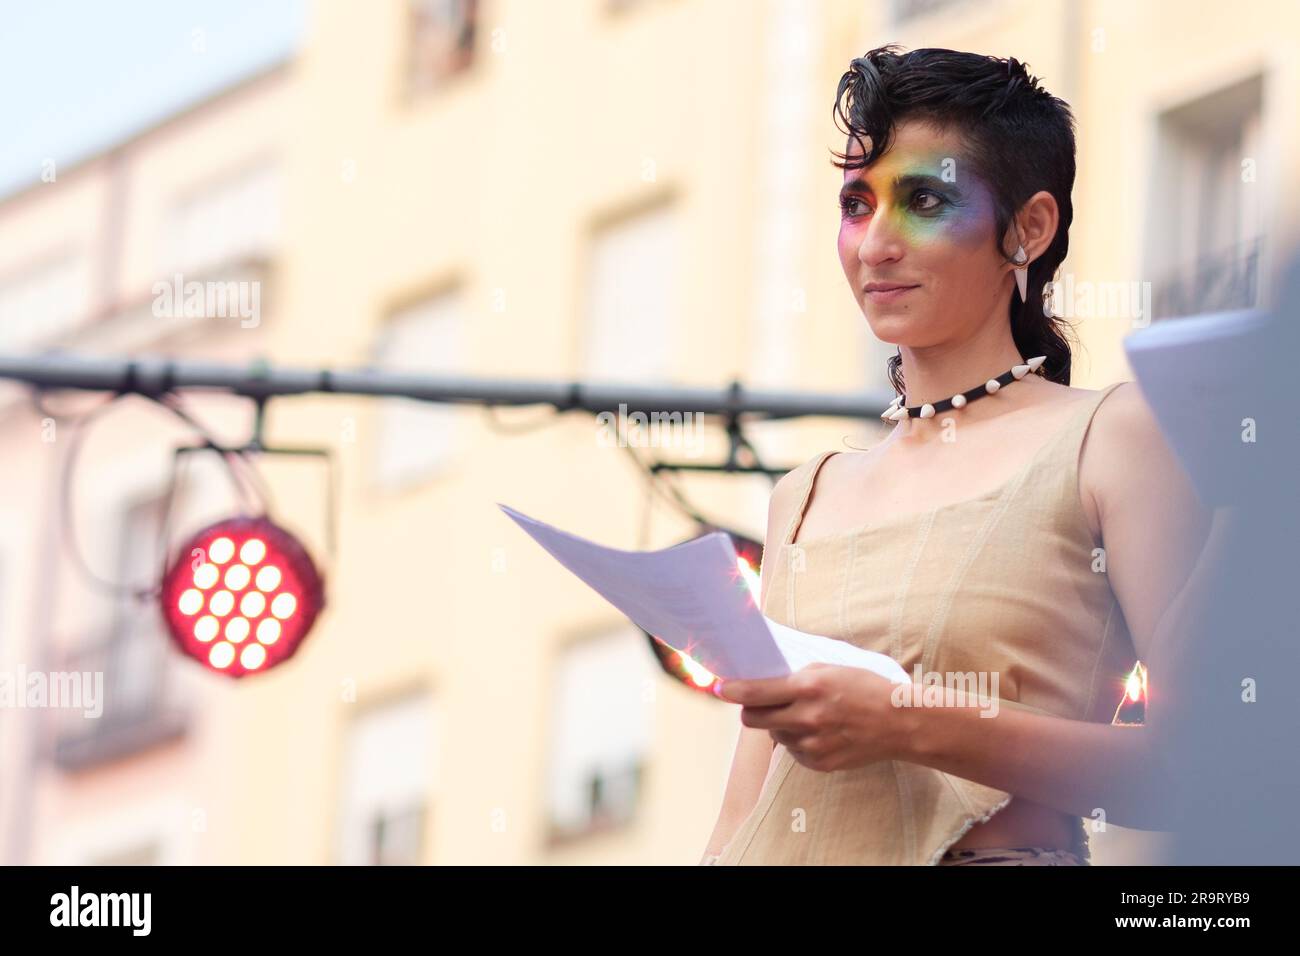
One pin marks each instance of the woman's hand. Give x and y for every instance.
(829, 717)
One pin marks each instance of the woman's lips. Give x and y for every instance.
(881, 296)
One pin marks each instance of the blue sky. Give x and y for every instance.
(76, 77)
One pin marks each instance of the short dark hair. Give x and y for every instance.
(1020, 140)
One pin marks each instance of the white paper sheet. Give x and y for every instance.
(693, 597)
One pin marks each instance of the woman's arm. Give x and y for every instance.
(748, 771)
(1154, 529)
(1070, 765)
(753, 756)
(1073, 766)
(1153, 525)
(834, 718)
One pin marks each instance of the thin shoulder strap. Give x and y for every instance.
(796, 519)
(1092, 413)
(1096, 404)
(1077, 425)
(1102, 397)
(1066, 449)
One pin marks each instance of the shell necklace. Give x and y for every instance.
(896, 411)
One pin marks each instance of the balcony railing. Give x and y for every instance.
(140, 706)
(612, 799)
(1223, 282)
(905, 10)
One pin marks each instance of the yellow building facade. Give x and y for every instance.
(634, 192)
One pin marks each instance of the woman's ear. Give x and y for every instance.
(1034, 226)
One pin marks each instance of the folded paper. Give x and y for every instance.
(693, 597)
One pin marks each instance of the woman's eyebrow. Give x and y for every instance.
(908, 181)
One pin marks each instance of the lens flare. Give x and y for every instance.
(751, 579)
(697, 673)
(1133, 701)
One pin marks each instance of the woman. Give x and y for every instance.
(1011, 535)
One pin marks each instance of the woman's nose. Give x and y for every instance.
(881, 241)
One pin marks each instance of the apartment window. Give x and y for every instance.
(905, 10)
(601, 726)
(616, 7)
(39, 304)
(1206, 235)
(229, 221)
(134, 655)
(143, 854)
(150, 826)
(415, 439)
(139, 638)
(388, 768)
(441, 42)
(633, 300)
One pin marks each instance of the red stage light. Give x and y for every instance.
(241, 595)
(682, 667)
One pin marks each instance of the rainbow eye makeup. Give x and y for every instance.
(924, 201)
(923, 194)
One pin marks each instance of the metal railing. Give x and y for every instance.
(139, 707)
(1225, 281)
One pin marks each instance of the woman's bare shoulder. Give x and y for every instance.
(1123, 418)
(1069, 393)
(1125, 435)
(789, 488)
(789, 485)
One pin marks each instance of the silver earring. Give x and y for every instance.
(1021, 259)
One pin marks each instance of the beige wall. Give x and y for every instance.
(113, 209)
(495, 186)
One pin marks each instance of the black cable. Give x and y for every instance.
(673, 494)
(242, 489)
(248, 487)
(251, 481)
(67, 516)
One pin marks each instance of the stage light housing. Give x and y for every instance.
(241, 596)
(682, 667)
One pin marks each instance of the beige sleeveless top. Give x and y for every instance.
(1003, 582)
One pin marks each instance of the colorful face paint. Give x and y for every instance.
(918, 193)
(919, 219)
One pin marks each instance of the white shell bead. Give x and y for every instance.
(958, 400)
(991, 386)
